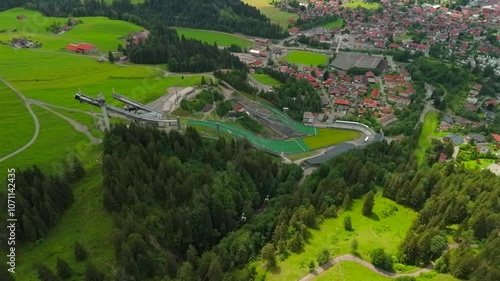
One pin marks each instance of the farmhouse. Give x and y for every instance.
(346, 61)
(82, 48)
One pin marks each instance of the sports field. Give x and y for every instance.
(273, 13)
(266, 79)
(306, 58)
(359, 4)
(334, 24)
(211, 37)
(99, 31)
(386, 228)
(276, 146)
(327, 137)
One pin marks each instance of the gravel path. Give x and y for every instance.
(33, 115)
(350, 257)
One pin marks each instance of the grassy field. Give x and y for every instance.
(385, 228)
(298, 156)
(55, 78)
(424, 141)
(402, 37)
(211, 37)
(273, 13)
(56, 140)
(99, 31)
(358, 4)
(306, 58)
(327, 137)
(18, 127)
(334, 24)
(351, 271)
(266, 79)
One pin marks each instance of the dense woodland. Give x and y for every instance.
(181, 54)
(176, 196)
(452, 201)
(296, 94)
(41, 199)
(223, 15)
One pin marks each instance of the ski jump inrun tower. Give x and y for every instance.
(133, 110)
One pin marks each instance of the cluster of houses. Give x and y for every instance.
(387, 28)
(345, 94)
(137, 37)
(68, 26)
(24, 43)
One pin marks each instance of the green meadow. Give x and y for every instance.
(270, 11)
(266, 79)
(306, 58)
(327, 137)
(359, 4)
(18, 127)
(385, 228)
(424, 141)
(334, 24)
(99, 31)
(351, 271)
(211, 37)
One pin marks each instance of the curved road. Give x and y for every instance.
(33, 115)
(350, 257)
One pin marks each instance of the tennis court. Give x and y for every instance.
(276, 146)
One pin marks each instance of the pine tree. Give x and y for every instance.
(80, 252)
(63, 269)
(347, 223)
(45, 274)
(111, 58)
(92, 274)
(4, 274)
(215, 271)
(268, 255)
(368, 204)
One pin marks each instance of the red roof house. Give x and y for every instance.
(341, 102)
(496, 137)
(375, 93)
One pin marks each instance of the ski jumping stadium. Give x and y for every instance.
(292, 131)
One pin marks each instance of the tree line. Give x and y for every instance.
(41, 199)
(181, 54)
(448, 195)
(223, 15)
